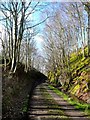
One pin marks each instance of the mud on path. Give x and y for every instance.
(47, 105)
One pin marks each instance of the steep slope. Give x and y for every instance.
(80, 69)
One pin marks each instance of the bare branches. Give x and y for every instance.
(64, 32)
(37, 23)
(17, 15)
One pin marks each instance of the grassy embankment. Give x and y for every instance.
(80, 70)
(79, 87)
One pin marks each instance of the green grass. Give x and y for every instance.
(25, 105)
(81, 106)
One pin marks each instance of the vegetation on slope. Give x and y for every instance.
(77, 82)
(17, 89)
(77, 104)
(80, 69)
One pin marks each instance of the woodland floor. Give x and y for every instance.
(47, 105)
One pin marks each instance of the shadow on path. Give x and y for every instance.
(52, 108)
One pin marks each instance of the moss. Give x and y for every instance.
(79, 72)
(85, 90)
(75, 89)
(88, 70)
(58, 72)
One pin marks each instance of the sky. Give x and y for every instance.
(39, 41)
(48, 0)
(38, 38)
(37, 16)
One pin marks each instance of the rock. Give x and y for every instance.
(88, 101)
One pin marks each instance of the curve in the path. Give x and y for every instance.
(47, 105)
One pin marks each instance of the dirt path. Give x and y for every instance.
(47, 105)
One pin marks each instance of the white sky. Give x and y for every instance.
(39, 40)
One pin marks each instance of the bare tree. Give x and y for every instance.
(19, 20)
(87, 8)
(62, 33)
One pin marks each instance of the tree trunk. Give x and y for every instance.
(88, 33)
(9, 47)
(13, 68)
(12, 40)
(18, 53)
(87, 8)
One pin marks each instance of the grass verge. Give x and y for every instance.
(79, 105)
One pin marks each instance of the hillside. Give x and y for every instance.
(17, 89)
(79, 71)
